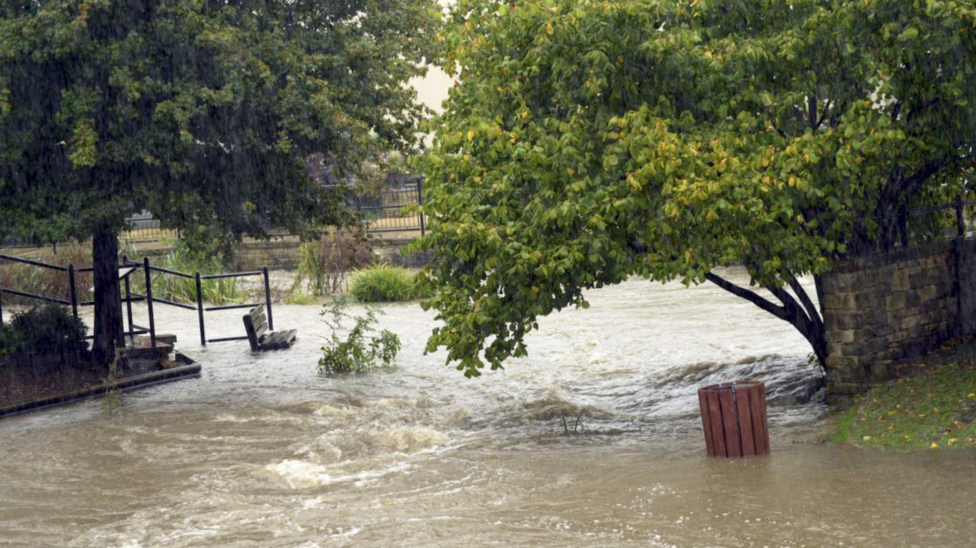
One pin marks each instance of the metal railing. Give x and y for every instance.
(131, 297)
(904, 215)
(392, 209)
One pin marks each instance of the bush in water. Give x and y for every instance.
(42, 330)
(384, 283)
(361, 351)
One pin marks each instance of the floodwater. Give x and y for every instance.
(261, 451)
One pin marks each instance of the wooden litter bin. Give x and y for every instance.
(734, 419)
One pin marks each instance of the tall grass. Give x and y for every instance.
(180, 289)
(384, 283)
(325, 263)
(47, 282)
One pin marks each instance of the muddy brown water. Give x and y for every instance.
(261, 451)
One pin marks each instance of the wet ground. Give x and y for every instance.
(262, 451)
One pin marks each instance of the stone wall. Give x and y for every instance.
(284, 254)
(883, 309)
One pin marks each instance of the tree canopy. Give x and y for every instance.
(201, 111)
(589, 141)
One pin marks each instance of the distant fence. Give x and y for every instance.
(910, 223)
(392, 209)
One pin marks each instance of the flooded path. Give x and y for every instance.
(262, 451)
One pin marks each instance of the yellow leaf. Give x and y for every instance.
(866, 438)
(549, 29)
(477, 179)
(792, 181)
(953, 441)
(471, 135)
(921, 415)
(934, 445)
(972, 395)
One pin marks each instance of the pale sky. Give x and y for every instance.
(432, 89)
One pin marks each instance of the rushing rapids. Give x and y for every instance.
(262, 451)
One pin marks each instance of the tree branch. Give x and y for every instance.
(749, 295)
(801, 294)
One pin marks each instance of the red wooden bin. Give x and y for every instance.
(734, 419)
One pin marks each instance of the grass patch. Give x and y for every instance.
(933, 409)
(384, 283)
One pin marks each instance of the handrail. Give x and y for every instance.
(924, 210)
(32, 296)
(33, 263)
(148, 298)
(232, 307)
(168, 271)
(230, 275)
(137, 298)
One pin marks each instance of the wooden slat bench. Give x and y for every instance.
(256, 325)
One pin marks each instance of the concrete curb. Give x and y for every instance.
(124, 385)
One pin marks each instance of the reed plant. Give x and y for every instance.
(385, 283)
(324, 264)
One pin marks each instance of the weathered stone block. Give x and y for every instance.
(839, 302)
(895, 302)
(839, 335)
(928, 293)
(898, 281)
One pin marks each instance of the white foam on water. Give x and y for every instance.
(408, 439)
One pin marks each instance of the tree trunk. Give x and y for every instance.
(108, 299)
(798, 311)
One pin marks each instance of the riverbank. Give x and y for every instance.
(28, 383)
(933, 406)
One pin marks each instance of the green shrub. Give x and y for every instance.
(41, 330)
(360, 351)
(384, 283)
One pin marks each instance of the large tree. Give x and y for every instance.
(589, 141)
(200, 111)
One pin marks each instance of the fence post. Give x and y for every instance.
(203, 335)
(903, 224)
(960, 221)
(420, 202)
(267, 299)
(149, 302)
(74, 291)
(128, 300)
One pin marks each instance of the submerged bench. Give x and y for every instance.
(256, 325)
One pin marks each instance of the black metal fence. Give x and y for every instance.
(930, 222)
(392, 209)
(126, 270)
